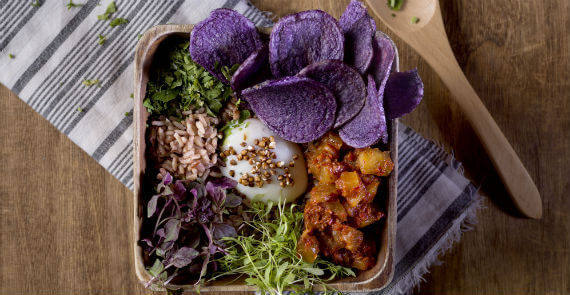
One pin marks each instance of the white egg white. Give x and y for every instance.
(247, 132)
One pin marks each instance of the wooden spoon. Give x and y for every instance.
(427, 36)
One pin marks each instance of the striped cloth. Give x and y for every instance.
(48, 51)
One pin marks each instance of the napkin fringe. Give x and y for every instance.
(464, 223)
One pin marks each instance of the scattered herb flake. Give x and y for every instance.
(36, 3)
(415, 20)
(395, 4)
(132, 95)
(11, 56)
(90, 82)
(79, 109)
(118, 21)
(102, 39)
(71, 5)
(127, 114)
(393, 15)
(139, 36)
(111, 8)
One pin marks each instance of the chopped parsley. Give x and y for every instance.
(11, 56)
(393, 15)
(102, 39)
(139, 36)
(36, 3)
(111, 8)
(71, 5)
(415, 20)
(118, 21)
(132, 95)
(91, 82)
(179, 84)
(395, 4)
(127, 114)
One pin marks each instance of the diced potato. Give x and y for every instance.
(336, 209)
(350, 237)
(351, 187)
(322, 193)
(374, 161)
(308, 247)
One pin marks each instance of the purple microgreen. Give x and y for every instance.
(183, 257)
(171, 229)
(222, 230)
(232, 201)
(151, 207)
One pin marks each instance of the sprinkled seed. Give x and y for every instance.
(232, 173)
(250, 148)
(251, 184)
(246, 158)
(256, 141)
(292, 164)
(286, 169)
(295, 157)
(282, 184)
(264, 166)
(280, 164)
(257, 178)
(243, 152)
(259, 184)
(268, 161)
(251, 161)
(250, 179)
(240, 157)
(243, 144)
(233, 162)
(262, 144)
(280, 177)
(273, 155)
(271, 145)
(273, 172)
(272, 165)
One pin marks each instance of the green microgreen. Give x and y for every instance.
(71, 5)
(118, 21)
(179, 84)
(395, 4)
(11, 56)
(268, 256)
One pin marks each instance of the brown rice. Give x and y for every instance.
(186, 149)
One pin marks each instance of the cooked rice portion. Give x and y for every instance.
(186, 149)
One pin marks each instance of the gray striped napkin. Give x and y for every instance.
(48, 51)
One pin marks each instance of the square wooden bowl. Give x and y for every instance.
(373, 279)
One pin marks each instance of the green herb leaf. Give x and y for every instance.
(102, 39)
(36, 3)
(79, 109)
(395, 4)
(11, 56)
(415, 20)
(118, 21)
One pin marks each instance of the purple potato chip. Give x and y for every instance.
(404, 91)
(254, 70)
(369, 126)
(225, 38)
(344, 82)
(359, 29)
(296, 108)
(300, 39)
(384, 54)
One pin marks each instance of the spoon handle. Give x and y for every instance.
(510, 168)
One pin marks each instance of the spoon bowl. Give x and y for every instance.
(427, 36)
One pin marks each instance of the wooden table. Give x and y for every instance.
(65, 221)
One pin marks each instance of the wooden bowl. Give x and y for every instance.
(373, 279)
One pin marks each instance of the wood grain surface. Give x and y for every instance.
(65, 222)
